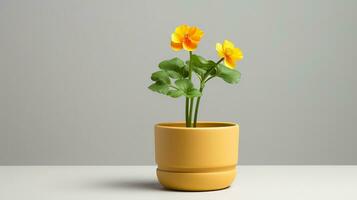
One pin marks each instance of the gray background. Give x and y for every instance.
(74, 77)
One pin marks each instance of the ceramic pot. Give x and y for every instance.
(196, 159)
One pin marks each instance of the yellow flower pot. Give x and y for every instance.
(196, 159)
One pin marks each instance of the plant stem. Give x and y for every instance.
(202, 85)
(197, 106)
(212, 68)
(186, 112)
(192, 102)
(209, 78)
(190, 67)
(189, 101)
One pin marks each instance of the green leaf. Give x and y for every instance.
(201, 65)
(172, 64)
(175, 93)
(201, 62)
(175, 67)
(184, 71)
(184, 84)
(174, 75)
(187, 88)
(199, 71)
(231, 76)
(159, 87)
(161, 76)
(193, 92)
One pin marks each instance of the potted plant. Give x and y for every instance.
(195, 155)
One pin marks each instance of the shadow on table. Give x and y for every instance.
(136, 185)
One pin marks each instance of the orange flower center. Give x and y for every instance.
(228, 52)
(186, 38)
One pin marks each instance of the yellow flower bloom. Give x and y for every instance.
(186, 37)
(230, 53)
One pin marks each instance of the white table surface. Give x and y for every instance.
(139, 182)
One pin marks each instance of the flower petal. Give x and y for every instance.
(237, 54)
(229, 62)
(189, 45)
(219, 50)
(197, 35)
(176, 46)
(182, 29)
(192, 30)
(228, 44)
(176, 38)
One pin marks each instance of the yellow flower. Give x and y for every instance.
(186, 37)
(230, 53)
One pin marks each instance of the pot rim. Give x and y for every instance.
(180, 125)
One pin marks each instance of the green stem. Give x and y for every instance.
(210, 70)
(197, 106)
(192, 102)
(186, 112)
(190, 67)
(202, 85)
(189, 101)
(209, 78)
